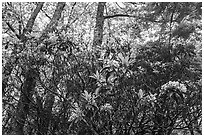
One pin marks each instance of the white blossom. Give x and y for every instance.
(174, 84)
(107, 107)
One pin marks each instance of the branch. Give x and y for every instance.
(69, 24)
(71, 11)
(171, 20)
(119, 6)
(32, 18)
(12, 29)
(46, 14)
(50, 90)
(54, 20)
(118, 15)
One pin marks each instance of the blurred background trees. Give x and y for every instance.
(101, 68)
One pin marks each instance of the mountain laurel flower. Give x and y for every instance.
(107, 107)
(174, 84)
(152, 97)
(182, 88)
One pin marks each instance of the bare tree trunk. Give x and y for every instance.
(46, 114)
(98, 31)
(32, 18)
(25, 100)
(54, 21)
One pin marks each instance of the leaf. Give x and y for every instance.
(105, 68)
(63, 33)
(97, 90)
(120, 56)
(112, 78)
(125, 61)
(93, 77)
(140, 94)
(108, 74)
(96, 76)
(86, 95)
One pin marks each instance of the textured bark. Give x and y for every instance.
(46, 114)
(24, 101)
(32, 18)
(54, 21)
(98, 32)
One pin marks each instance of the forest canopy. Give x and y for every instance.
(101, 68)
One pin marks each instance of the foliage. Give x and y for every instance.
(144, 79)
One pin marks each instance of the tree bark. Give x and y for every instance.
(32, 18)
(46, 114)
(25, 100)
(98, 31)
(54, 21)
(100, 18)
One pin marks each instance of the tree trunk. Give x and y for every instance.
(46, 114)
(98, 31)
(25, 100)
(54, 21)
(32, 18)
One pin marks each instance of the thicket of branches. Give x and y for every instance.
(101, 68)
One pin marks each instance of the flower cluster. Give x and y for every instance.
(106, 107)
(174, 84)
(151, 98)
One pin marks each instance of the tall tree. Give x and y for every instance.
(50, 98)
(54, 21)
(98, 30)
(29, 25)
(30, 76)
(23, 108)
